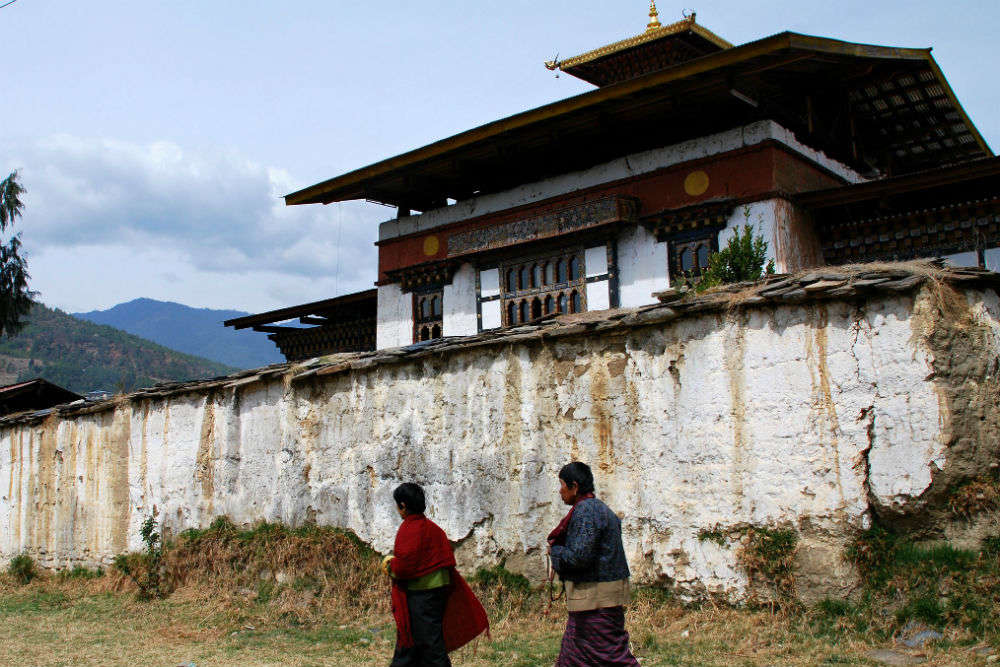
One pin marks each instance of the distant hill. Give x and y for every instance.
(83, 356)
(197, 331)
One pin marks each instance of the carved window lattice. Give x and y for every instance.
(428, 320)
(689, 257)
(544, 286)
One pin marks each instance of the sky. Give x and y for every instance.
(155, 139)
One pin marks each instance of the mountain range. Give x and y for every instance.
(195, 331)
(82, 356)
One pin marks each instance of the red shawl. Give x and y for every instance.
(558, 534)
(421, 548)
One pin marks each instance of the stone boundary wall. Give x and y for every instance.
(814, 402)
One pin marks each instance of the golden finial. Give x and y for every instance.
(654, 16)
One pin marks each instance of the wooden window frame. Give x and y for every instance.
(429, 324)
(530, 299)
(707, 239)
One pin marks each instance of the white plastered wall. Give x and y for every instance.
(595, 261)
(642, 267)
(791, 240)
(460, 303)
(626, 167)
(394, 326)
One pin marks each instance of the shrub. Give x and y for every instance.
(500, 579)
(743, 259)
(22, 569)
(144, 568)
(767, 555)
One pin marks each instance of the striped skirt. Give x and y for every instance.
(596, 637)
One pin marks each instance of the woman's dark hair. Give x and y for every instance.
(578, 473)
(412, 496)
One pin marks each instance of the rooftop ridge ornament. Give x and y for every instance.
(654, 17)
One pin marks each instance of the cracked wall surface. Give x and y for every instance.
(817, 416)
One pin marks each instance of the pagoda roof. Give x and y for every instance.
(593, 66)
(881, 109)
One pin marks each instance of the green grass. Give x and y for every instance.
(62, 622)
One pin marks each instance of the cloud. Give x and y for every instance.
(210, 215)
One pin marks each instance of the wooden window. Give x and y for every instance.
(543, 286)
(689, 256)
(561, 274)
(427, 315)
(574, 268)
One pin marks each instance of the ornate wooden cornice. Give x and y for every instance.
(423, 276)
(703, 216)
(604, 211)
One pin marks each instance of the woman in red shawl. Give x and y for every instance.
(435, 610)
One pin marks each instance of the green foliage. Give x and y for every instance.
(501, 579)
(266, 590)
(767, 555)
(15, 297)
(144, 569)
(991, 546)
(925, 608)
(11, 206)
(743, 259)
(22, 569)
(831, 616)
(263, 533)
(83, 356)
(936, 584)
(80, 572)
(716, 535)
(872, 552)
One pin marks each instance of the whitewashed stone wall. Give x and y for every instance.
(804, 415)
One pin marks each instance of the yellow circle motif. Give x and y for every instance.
(696, 183)
(431, 245)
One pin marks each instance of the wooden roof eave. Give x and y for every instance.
(818, 200)
(302, 310)
(353, 184)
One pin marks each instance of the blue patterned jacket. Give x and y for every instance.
(593, 550)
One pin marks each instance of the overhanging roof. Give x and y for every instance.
(970, 180)
(326, 308)
(874, 107)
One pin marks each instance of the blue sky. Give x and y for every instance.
(155, 138)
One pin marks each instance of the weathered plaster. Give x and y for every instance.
(812, 415)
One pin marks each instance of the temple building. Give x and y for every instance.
(835, 152)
